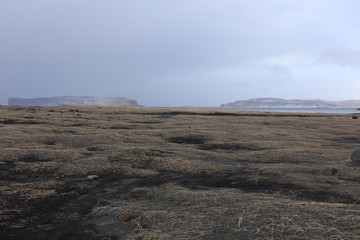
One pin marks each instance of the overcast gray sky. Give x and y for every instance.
(180, 52)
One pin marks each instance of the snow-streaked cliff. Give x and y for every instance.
(293, 103)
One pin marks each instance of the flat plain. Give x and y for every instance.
(187, 174)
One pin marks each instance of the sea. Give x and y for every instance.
(304, 110)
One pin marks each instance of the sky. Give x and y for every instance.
(180, 52)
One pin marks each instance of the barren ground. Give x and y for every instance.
(189, 174)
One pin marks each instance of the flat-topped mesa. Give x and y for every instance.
(70, 100)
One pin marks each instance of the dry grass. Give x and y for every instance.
(193, 174)
(174, 212)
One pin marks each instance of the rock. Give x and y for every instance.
(355, 155)
(128, 216)
(53, 193)
(334, 171)
(2, 163)
(330, 171)
(93, 177)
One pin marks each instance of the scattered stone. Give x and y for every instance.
(2, 163)
(355, 155)
(127, 217)
(330, 171)
(93, 177)
(53, 193)
(354, 117)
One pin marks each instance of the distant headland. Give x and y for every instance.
(293, 103)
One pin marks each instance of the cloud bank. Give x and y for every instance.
(181, 52)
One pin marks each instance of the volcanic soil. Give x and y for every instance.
(180, 174)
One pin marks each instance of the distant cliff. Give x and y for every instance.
(69, 100)
(294, 103)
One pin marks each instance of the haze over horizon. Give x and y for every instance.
(180, 52)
